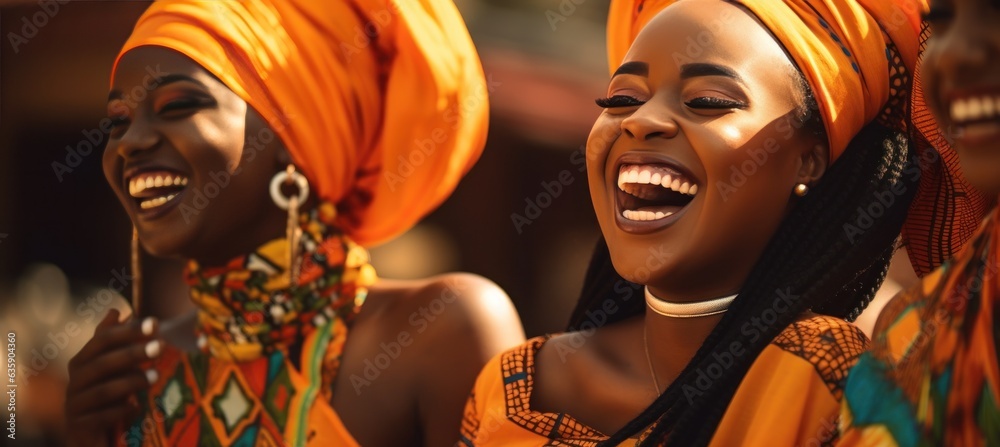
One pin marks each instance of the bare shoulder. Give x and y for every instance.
(455, 324)
(448, 305)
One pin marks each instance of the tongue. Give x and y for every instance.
(656, 195)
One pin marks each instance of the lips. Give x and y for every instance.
(155, 189)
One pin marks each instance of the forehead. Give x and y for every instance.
(707, 31)
(153, 62)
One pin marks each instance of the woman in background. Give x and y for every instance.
(933, 376)
(269, 142)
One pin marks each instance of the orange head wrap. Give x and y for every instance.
(382, 104)
(843, 48)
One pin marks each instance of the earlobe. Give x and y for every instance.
(283, 157)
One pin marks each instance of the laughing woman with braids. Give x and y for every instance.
(751, 171)
(260, 140)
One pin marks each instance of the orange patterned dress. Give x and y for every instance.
(790, 396)
(933, 374)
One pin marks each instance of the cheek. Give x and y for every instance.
(751, 182)
(929, 66)
(113, 167)
(212, 143)
(604, 133)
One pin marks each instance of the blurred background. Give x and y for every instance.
(64, 237)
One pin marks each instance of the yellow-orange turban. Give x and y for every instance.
(842, 48)
(838, 45)
(382, 104)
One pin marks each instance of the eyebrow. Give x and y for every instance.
(689, 71)
(633, 68)
(168, 79)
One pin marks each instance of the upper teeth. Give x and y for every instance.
(975, 108)
(139, 184)
(645, 176)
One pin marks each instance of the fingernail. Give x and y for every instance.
(153, 349)
(147, 325)
(152, 376)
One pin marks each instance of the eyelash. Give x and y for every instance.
(704, 102)
(180, 104)
(618, 101)
(712, 102)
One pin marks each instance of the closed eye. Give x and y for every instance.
(714, 102)
(118, 125)
(180, 104)
(617, 101)
(118, 121)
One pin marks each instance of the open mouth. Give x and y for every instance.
(652, 192)
(156, 190)
(976, 116)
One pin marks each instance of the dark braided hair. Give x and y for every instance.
(830, 254)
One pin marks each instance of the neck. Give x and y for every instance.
(674, 341)
(675, 332)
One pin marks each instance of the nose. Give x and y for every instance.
(649, 122)
(965, 48)
(140, 136)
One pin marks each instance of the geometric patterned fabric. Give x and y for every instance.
(802, 371)
(265, 375)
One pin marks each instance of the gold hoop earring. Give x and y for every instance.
(801, 189)
(136, 274)
(291, 203)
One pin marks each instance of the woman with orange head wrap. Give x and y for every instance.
(932, 376)
(268, 142)
(752, 169)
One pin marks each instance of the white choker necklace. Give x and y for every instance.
(688, 310)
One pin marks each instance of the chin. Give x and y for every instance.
(982, 174)
(167, 246)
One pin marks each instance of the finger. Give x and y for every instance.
(114, 335)
(114, 392)
(115, 363)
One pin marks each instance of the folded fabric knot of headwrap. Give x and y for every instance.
(846, 50)
(382, 104)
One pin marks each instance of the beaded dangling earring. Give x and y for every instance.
(291, 203)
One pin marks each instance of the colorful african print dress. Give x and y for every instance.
(932, 376)
(269, 352)
(790, 396)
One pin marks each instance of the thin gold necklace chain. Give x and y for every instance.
(649, 360)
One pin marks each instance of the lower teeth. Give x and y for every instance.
(153, 203)
(644, 215)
